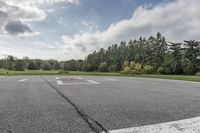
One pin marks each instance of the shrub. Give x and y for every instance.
(46, 66)
(70, 65)
(32, 66)
(132, 65)
(138, 67)
(126, 63)
(56, 66)
(103, 67)
(189, 68)
(161, 70)
(197, 74)
(133, 69)
(18, 65)
(62, 72)
(126, 70)
(112, 68)
(148, 69)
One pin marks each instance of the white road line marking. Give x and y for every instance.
(57, 78)
(191, 125)
(59, 82)
(94, 82)
(79, 78)
(112, 79)
(76, 84)
(22, 80)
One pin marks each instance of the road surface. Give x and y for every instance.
(83, 104)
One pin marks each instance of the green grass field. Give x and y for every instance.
(4, 72)
(28, 72)
(94, 73)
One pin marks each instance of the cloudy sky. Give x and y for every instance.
(66, 29)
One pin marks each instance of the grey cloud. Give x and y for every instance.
(3, 17)
(17, 27)
(14, 19)
(20, 13)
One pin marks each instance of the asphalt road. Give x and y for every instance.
(72, 104)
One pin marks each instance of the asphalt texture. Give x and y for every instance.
(40, 104)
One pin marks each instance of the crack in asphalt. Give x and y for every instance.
(93, 124)
(9, 131)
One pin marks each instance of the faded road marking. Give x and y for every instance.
(112, 79)
(94, 82)
(79, 78)
(191, 125)
(22, 80)
(60, 82)
(57, 78)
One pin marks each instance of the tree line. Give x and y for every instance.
(13, 63)
(147, 55)
(144, 55)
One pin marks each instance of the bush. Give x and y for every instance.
(148, 69)
(70, 65)
(132, 65)
(103, 67)
(189, 68)
(46, 66)
(32, 66)
(197, 74)
(138, 67)
(161, 70)
(63, 72)
(56, 66)
(165, 69)
(126, 70)
(18, 65)
(112, 68)
(126, 63)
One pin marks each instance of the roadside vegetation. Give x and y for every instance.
(4, 72)
(153, 55)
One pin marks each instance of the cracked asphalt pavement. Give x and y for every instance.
(71, 104)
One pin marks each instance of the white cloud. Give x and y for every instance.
(43, 2)
(25, 11)
(89, 26)
(61, 21)
(177, 20)
(18, 47)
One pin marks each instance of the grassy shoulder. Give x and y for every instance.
(95, 73)
(4, 72)
(173, 77)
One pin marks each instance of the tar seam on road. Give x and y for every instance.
(9, 131)
(93, 124)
